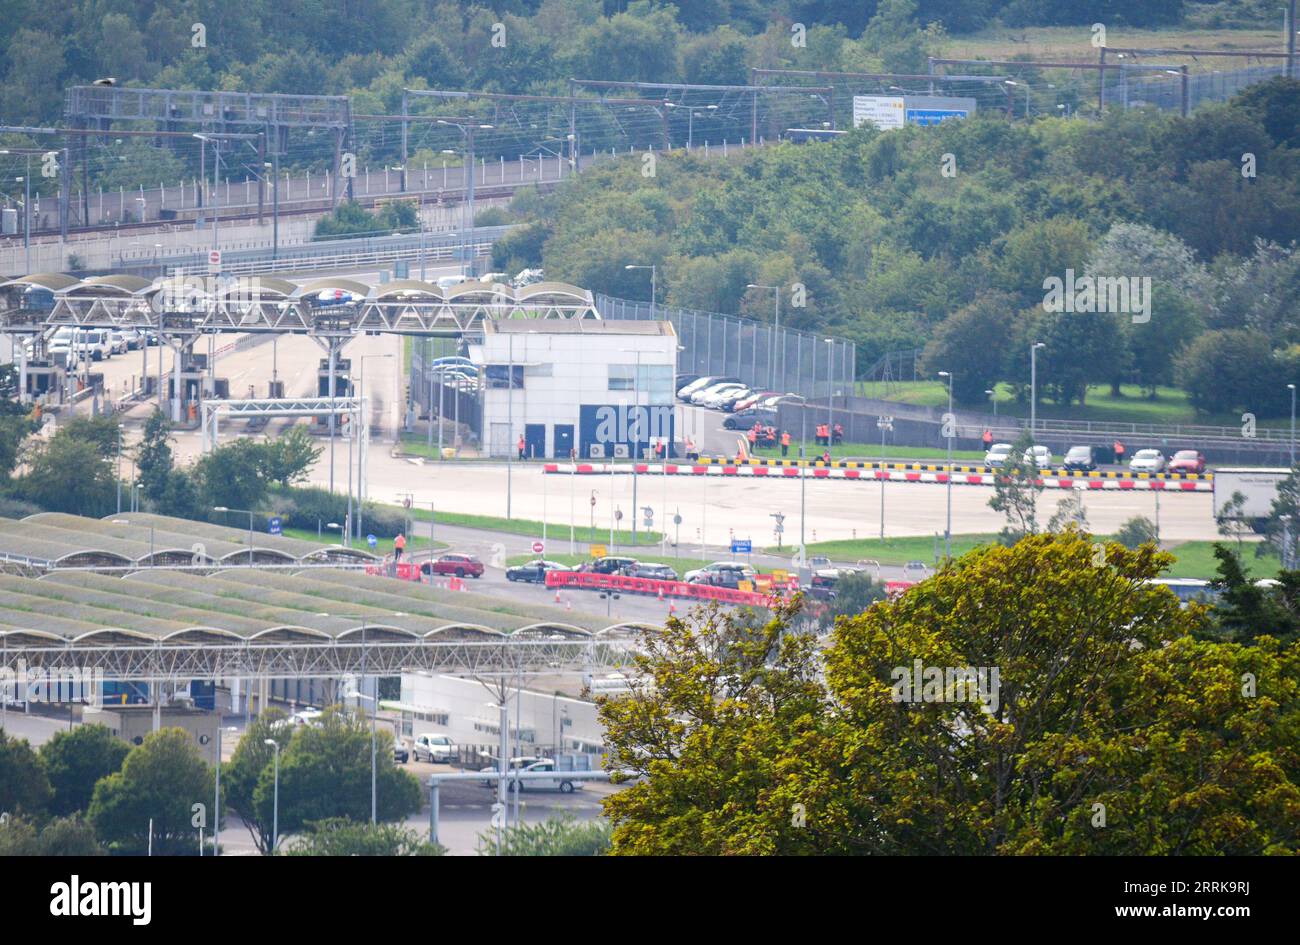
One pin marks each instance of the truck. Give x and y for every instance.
(1257, 485)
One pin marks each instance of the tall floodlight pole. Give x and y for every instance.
(886, 424)
(275, 798)
(1291, 387)
(1033, 388)
(467, 130)
(951, 422)
(772, 366)
(654, 273)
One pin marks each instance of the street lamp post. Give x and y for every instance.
(250, 514)
(993, 397)
(1291, 387)
(885, 424)
(275, 802)
(362, 429)
(772, 365)
(654, 275)
(950, 422)
(467, 129)
(1033, 388)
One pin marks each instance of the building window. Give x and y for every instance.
(502, 376)
(622, 377)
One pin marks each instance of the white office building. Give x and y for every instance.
(601, 388)
(467, 711)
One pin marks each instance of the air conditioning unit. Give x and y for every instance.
(596, 450)
(620, 451)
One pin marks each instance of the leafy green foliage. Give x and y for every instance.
(159, 782)
(339, 836)
(325, 773)
(75, 761)
(62, 836)
(556, 836)
(1110, 728)
(1136, 532)
(24, 785)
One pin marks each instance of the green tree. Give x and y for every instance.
(71, 475)
(325, 773)
(339, 836)
(1244, 610)
(68, 836)
(1136, 532)
(972, 344)
(75, 760)
(555, 836)
(1016, 490)
(240, 775)
(854, 593)
(1094, 692)
(232, 475)
(288, 458)
(159, 782)
(24, 785)
(153, 455)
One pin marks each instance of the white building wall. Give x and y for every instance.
(537, 718)
(563, 371)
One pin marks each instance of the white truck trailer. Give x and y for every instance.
(1257, 485)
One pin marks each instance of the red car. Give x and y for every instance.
(1186, 461)
(457, 564)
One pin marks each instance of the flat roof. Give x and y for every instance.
(585, 326)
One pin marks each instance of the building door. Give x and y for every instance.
(535, 440)
(500, 441)
(563, 440)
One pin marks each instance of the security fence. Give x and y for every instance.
(758, 353)
(458, 399)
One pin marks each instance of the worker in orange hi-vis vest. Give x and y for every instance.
(399, 545)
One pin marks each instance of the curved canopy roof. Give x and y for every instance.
(109, 285)
(55, 281)
(359, 289)
(405, 287)
(311, 606)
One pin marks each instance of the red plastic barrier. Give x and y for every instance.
(590, 581)
(404, 571)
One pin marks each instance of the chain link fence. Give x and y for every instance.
(763, 356)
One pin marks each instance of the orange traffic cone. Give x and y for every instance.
(557, 596)
(661, 594)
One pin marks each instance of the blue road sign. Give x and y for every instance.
(275, 527)
(371, 540)
(739, 547)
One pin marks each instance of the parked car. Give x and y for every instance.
(401, 754)
(825, 579)
(610, 564)
(997, 455)
(1147, 461)
(458, 564)
(533, 572)
(1080, 457)
(1039, 455)
(1187, 461)
(728, 401)
(710, 390)
(439, 749)
(710, 396)
(683, 379)
(722, 574)
(117, 342)
(538, 766)
(744, 419)
(655, 572)
(685, 391)
(326, 298)
(754, 399)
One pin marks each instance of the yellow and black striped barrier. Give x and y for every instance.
(943, 467)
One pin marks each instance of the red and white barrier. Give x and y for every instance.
(866, 475)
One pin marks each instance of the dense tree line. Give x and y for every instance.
(310, 46)
(944, 239)
(1107, 720)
